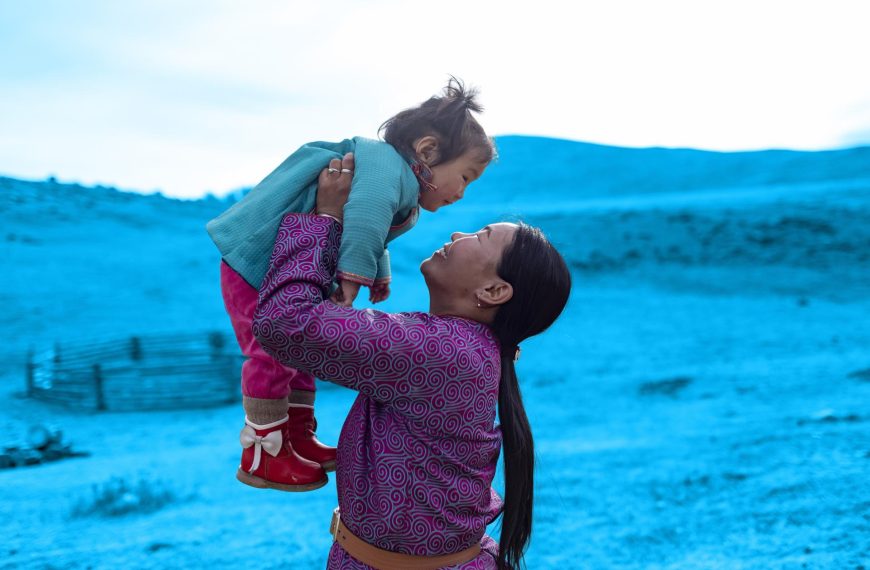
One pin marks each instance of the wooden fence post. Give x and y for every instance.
(217, 342)
(98, 388)
(135, 348)
(30, 373)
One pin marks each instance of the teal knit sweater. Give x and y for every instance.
(382, 205)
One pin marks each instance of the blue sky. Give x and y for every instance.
(195, 96)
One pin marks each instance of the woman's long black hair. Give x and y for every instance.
(541, 283)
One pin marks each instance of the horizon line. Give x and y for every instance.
(222, 194)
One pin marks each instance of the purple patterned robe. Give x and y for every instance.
(418, 450)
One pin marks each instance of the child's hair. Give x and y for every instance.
(448, 118)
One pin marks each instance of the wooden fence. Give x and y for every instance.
(151, 372)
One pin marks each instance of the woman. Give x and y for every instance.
(418, 451)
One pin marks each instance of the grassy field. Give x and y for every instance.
(703, 403)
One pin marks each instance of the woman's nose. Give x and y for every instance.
(456, 235)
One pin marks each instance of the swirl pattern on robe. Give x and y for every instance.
(418, 450)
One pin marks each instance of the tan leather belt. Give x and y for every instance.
(386, 560)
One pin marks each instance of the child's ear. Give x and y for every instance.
(426, 149)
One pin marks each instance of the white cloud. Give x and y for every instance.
(190, 96)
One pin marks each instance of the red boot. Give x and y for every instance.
(304, 440)
(279, 467)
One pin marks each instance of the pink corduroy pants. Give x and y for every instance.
(262, 375)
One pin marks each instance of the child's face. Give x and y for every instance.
(451, 179)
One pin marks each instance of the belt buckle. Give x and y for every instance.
(333, 527)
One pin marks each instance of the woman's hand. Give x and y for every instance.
(333, 187)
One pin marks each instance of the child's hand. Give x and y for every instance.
(379, 292)
(345, 294)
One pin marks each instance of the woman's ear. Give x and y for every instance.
(496, 293)
(426, 150)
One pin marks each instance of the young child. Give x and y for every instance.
(429, 155)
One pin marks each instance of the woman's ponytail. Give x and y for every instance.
(519, 468)
(541, 284)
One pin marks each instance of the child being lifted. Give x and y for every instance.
(429, 155)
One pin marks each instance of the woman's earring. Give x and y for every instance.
(479, 306)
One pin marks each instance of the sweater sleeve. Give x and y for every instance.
(404, 359)
(368, 213)
(384, 275)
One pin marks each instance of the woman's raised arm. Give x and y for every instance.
(409, 358)
(394, 358)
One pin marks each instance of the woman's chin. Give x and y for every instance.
(428, 264)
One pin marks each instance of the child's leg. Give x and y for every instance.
(263, 377)
(303, 425)
(302, 389)
(268, 458)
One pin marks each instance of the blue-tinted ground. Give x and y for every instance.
(703, 403)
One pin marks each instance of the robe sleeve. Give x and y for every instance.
(401, 358)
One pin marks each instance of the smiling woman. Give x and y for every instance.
(418, 450)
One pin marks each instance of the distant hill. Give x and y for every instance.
(96, 262)
(567, 170)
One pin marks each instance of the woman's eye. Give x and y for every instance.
(465, 178)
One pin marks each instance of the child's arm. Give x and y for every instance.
(380, 289)
(369, 211)
(346, 293)
(379, 292)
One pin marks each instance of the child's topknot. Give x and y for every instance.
(446, 117)
(455, 91)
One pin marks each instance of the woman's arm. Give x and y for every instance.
(390, 357)
(412, 359)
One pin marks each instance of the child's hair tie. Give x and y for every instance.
(424, 175)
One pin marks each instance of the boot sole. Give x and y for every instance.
(260, 483)
(329, 466)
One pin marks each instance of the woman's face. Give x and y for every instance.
(468, 261)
